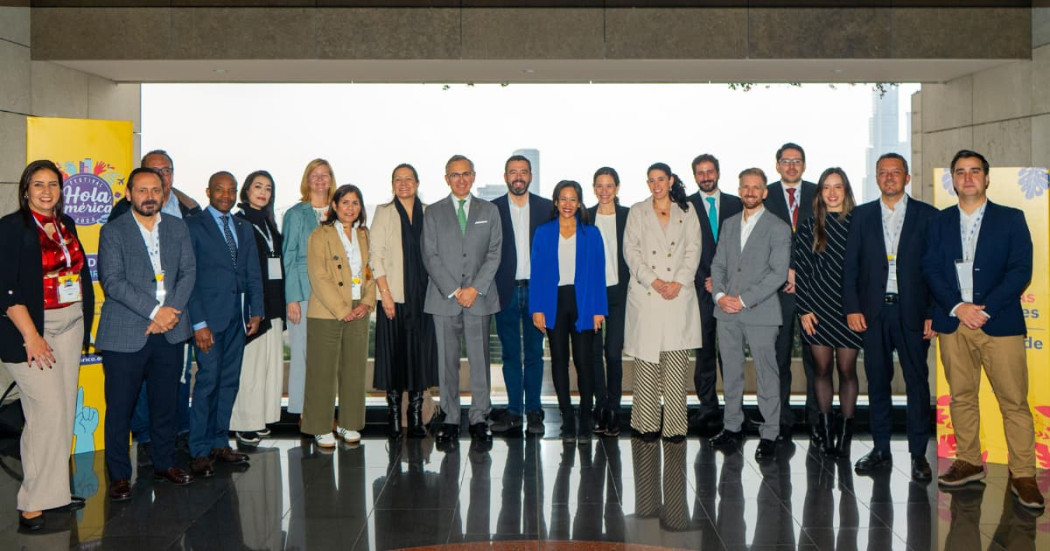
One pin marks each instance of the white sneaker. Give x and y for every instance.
(348, 436)
(325, 440)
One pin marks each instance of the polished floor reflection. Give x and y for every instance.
(534, 494)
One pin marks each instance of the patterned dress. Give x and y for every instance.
(818, 282)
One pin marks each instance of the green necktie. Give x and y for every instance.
(712, 217)
(462, 214)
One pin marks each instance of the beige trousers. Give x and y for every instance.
(259, 396)
(336, 354)
(49, 399)
(964, 352)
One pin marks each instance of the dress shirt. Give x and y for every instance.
(787, 200)
(217, 216)
(171, 206)
(707, 205)
(152, 240)
(566, 260)
(969, 229)
(892, 222)
(747, 225)
(607, 227)
(519, 221)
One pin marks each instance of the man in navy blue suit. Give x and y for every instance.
(520, 214)
(886, 300)
(978, 262)
(713, 207)
(226, 303)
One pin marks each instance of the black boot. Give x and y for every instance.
(845, 437)
(415, 415)
(393, 414)
(824, 428)
(612, 422)
(568, 424)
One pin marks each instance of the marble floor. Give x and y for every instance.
(530, 493)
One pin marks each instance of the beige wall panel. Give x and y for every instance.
(1041, 80)
(1006, 143)
(715, 33)
(1003, 92)
(101, 33)
(14, 24)
(939, 147)
(12, 154)
(58, 91)
(515, 33)
(388, 33)
(243, 33)
(112, 101)
(948, 105)
(15, 85)
(961, 33)
(819, 33)
(1041, 141)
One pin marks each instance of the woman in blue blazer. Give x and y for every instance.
(567, 298)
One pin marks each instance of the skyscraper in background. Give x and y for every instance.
(884, 136)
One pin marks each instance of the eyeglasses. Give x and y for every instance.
(791, 162)
(165, 170)
(458, 175)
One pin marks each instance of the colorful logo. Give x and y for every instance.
(90, 190)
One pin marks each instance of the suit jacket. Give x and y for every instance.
(454, 259)
(331, 277)
(386, 257)
(728, 205)
(299, 222)
(623, 273)
(755, 273)
(777, 204)
(653, 324)
(127, 278)
(220, 282)
(589, 280)
(22, 282)
(540, 211)
(1002, 268)
(865, 266)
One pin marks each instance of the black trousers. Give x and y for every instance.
(708, 361)
(785, 340)
(608, 375)
(561, 336)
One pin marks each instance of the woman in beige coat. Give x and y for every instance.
(341, 302)
(661, 245)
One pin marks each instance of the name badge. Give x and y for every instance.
(161, 291)
(69, 288)
(892, 259)
(273, 268)
(355, 292)
(964, 275)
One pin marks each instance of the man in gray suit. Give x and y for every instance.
(462, 239)
(147, 270)
(750, 264)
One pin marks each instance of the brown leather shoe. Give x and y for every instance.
(174, 475)
(201, 466)
(120, 490)
(961, 473)
(1027, 491)
(227, 455)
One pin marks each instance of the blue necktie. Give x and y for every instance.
(712, 217)
(230, 244)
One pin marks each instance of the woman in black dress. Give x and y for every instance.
(820, 244)
(406, 350)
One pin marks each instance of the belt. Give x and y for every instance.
(521, 282)
(890, 298)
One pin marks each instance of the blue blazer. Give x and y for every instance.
(866, 267)
(1002, 268)
(299, 222)
(589, 283)
(540, 211)
(216, 293)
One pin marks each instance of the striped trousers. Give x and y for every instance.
(655, 380)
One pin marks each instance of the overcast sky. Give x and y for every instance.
(365, 130)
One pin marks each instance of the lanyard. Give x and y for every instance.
(893, 240)
(61, 241)
(968, 239)
(266, 237)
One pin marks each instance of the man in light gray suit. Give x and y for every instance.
(462, 239)
(750, 264)
(147, 270)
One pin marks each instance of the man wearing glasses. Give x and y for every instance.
(791, 200)
(175, 202)
(462, 243)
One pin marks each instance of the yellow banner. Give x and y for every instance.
(95, 156)
(1026, 189)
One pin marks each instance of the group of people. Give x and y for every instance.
(710, 272)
